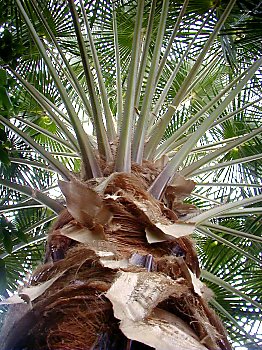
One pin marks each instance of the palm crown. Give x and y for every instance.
(166, 91)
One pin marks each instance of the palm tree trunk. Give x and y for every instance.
(112, 289)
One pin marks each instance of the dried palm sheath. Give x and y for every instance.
(121, 272)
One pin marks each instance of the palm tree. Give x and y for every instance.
(145, 116)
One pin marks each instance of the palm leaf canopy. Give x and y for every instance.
(91, 88)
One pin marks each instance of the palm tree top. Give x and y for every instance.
(163, 91)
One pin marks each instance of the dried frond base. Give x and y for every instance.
(74, 311)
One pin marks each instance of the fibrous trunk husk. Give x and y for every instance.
(121, 272)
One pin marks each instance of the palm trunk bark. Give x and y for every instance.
(123, 275)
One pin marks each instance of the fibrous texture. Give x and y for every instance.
(121, 271)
